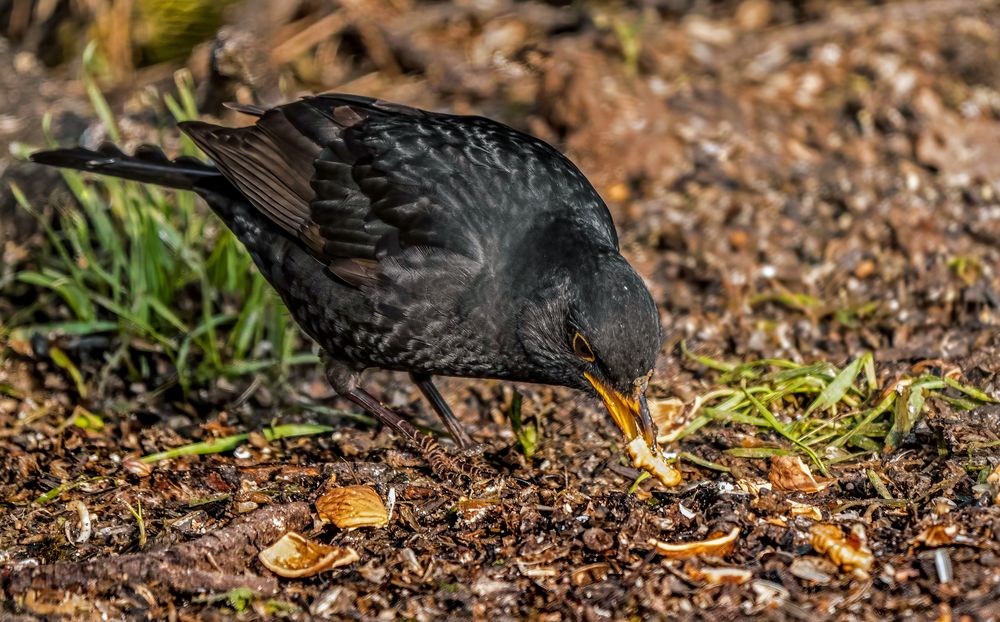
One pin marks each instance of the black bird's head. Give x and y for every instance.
(595, 328)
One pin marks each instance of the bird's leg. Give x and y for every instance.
(344, 380)
(435, 455)
(426, 386)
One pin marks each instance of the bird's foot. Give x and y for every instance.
(440, 461)
(474, 451)
(472, 462)
(449, 466)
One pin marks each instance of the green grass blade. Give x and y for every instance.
(836, 390)
(757, 452)
(63, 362)
(780, 429)
(972, 392)
(229, 443)
(706, 361)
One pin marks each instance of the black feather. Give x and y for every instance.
(149, 164)
(248, 109)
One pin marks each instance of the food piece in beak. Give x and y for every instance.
(655, 465)
(631, 415)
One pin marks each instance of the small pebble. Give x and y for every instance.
(597, 539)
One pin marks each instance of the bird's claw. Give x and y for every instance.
(449, 466)
(474, 452)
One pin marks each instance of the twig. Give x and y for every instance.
(183, 567)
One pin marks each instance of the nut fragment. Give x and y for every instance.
(851, 553)
(718, 576)
(754, 487)
(643, 458)
(790, 473)
(348, 507)
(668, 415)
(135, 466)
(937, 535)
(293, 556)
(805, 510)
(814, 569)
(994, 479)
(719, 545)
(591, 573)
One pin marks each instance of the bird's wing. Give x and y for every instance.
(359, 180)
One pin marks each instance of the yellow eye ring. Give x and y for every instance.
(582, 348)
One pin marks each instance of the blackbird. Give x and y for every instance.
(428, 243)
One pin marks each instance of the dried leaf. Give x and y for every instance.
(21, 346)
(643, 458)
(850, 553)
(754, 487)
(719, 545)
(790, 473)
(348, 507)
(908, 408)
(293, 556)
(943, 505)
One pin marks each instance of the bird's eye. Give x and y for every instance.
(582, 349)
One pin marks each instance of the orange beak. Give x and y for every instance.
(630, 413)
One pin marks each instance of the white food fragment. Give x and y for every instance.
(643, 458)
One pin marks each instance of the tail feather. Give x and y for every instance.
(149, 165)
(249, 109)
(267, 243)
